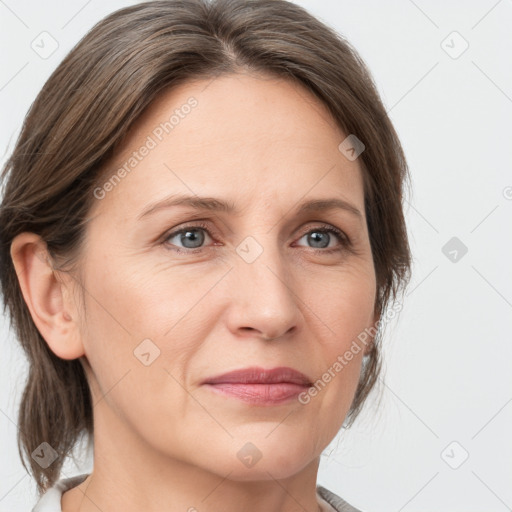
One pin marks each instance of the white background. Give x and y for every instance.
(448, 359)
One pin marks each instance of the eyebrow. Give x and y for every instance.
(218, 205)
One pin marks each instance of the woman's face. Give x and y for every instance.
(165, 311)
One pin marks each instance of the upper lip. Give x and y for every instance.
(257, 375)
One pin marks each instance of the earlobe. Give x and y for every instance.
(45, 295)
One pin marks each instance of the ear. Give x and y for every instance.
(47, 296)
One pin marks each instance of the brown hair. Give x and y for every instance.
(88, 105)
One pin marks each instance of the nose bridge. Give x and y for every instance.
(261, 263)
(265, 298)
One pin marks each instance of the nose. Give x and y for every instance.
(263, 301)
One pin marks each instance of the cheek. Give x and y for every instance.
(345, 305)
(142, 320)
(344, 309)
(127, 304)
(136, 350)
(144, 301)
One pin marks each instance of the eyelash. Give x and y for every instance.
(343, 239)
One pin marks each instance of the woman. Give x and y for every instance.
(201, 231)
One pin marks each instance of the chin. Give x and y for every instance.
(265, 458)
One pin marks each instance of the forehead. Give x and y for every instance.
(255, 137)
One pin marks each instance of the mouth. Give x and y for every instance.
(259, 386)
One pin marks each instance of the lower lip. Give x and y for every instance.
(262, 394)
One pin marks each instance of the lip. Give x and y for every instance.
(260, 386)
(258, 375)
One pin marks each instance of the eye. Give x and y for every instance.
(320, 238)
(191, 237)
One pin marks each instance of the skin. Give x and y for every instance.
(162, 441)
